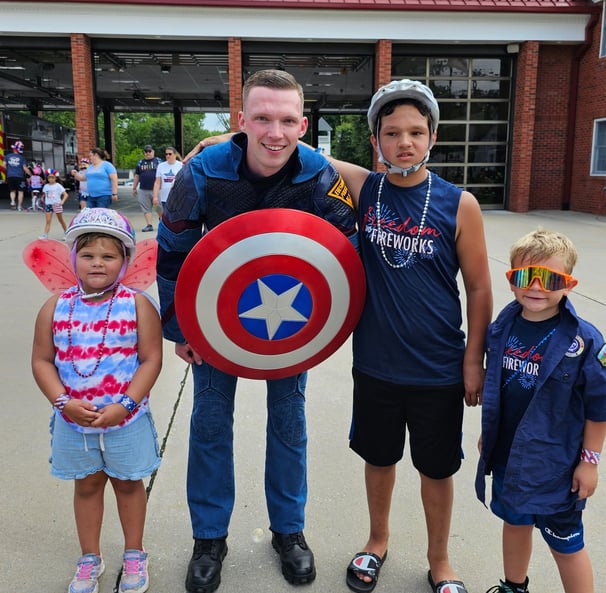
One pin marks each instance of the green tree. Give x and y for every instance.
(351, 139)
(67, 119)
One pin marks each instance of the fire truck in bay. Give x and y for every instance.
(47, 144)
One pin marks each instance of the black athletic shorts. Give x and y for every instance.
(16, 183)
(382, 412)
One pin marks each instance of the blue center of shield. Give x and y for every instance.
(275, 307)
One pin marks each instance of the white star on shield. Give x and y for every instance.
(275, 308)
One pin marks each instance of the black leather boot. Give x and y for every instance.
(296, 558)
(204, 570)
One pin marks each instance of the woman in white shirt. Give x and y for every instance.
(165, 177)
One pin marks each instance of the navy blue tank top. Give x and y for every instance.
(410, 330)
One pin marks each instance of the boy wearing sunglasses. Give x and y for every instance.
(543, 414)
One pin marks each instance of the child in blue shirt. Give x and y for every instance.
(543, 414)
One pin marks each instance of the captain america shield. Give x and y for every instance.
(270, 293)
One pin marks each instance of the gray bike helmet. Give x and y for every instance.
(395, 91)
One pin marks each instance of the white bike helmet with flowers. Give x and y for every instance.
(399, 90)
(107, 222)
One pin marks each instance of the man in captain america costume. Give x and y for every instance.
(258, 169)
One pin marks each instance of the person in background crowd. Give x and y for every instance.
(83, 185)
(143, 184)
(101, 179)
(36, 181)
(17, 172)
(165, 177)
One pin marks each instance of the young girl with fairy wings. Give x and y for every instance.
(97, 352)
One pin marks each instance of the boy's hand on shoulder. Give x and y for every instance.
(585, 479)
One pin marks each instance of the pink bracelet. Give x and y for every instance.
(590, 456)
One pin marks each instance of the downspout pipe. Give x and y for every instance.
(572, 112)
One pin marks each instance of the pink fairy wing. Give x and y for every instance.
(141, 273)
(50, 261)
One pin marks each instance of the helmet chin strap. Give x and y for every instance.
(398, 170)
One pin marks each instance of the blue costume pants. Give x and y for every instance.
(210, 472)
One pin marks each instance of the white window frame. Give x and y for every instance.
(596, 150)
(603, 35)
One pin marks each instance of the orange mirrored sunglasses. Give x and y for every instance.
(549, 279)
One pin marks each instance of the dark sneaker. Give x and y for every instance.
(500, 588)
(296, 558)
(147, 229)
(204, 570)
(506, 588)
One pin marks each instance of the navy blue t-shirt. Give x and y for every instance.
(522, 358)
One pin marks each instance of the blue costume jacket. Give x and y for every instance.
(209, 189)
(570, 389)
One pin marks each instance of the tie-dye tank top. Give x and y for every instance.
(98, 362)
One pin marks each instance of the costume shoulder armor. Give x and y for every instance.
(183, 202)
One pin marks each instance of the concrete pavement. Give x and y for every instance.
(38, 541)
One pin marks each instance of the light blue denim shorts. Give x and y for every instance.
(129, 453)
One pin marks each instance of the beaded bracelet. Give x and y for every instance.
(590, 456)
(128, 402)
(60, 402)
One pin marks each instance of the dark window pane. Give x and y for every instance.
(487, 132)
(453, 110)
(448, 66)
(409, 67)
(491, 195)
(486, 175)
(447, 154)
(452, 174)
(486, 153)
(495, 89)
(449, 89)
(487, 67)
(488, 111)
(452, 132)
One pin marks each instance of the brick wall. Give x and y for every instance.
(382, 77)
(234, 48)
(551, 142)
(84, 99)
(382, 63)
(587, 192)
(523, 127)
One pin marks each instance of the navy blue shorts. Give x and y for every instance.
(562, 531)
(383, 411)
